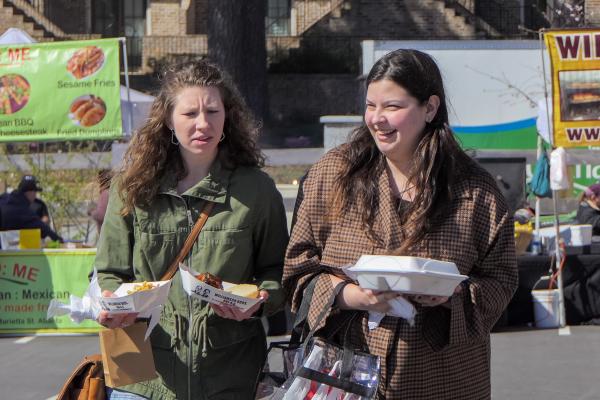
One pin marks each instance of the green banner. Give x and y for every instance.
(29, 279)
(60, 91)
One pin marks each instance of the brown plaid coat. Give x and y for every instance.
(446, 354)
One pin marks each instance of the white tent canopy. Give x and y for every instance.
(139, 103)
(139, 106)
(15, 36)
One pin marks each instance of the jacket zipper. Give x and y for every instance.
(189, 332)
(189, 327)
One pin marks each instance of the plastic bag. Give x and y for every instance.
(332, 372)
(540, 181)
(559, 176)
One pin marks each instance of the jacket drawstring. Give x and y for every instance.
(200, 333)
(203, 325)
(177, 329)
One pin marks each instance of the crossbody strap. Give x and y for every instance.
(189, 241)
(298, 329)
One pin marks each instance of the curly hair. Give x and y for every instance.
(151, 153)
(438, 159)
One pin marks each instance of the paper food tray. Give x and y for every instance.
(406, 274)
(210, 294)
(141, 301)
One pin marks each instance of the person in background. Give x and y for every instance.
(41, 209)
(17, 213)
(589, 208)
(525, 214)
(402, 185)
(37, 205)
(103, 181)
(198, 145)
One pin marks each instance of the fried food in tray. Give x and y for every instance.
(87, 110)
(211, 280)
(85, 62)
(14, 93)
(244, 289)
(143, 286)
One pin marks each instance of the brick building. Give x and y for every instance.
(157, 29)
(304, 37)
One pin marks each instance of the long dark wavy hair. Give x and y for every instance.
(437, 161)
(151, 153)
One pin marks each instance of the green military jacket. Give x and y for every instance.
(243, 241)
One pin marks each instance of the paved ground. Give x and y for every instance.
(526, 364)
(531, 364)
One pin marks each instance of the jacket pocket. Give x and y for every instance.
(164, 340)
(225, 253)
(159, 249)
(164, 335)
(224, 332)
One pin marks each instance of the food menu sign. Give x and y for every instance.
(31, 279)
(575, 59)
(60, 91)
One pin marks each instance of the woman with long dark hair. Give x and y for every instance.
(198, 146)
(403, 186)
(589, 208)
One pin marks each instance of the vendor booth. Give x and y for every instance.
(57, 91)
(30, 279)
(581, 280)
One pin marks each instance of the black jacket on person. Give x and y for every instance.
(588, 215)
(40, 208)
(16, 214)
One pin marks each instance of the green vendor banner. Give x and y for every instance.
(60, 91)
(30, 279)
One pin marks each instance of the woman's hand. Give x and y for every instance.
(353, 297)
(115, 320)
(426, 300)
(235, 313)
(432, 301)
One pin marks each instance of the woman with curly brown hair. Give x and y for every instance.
(403, 185)
(198, 145)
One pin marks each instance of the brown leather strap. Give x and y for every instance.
(189, 242)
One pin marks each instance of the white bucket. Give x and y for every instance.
(545, 308)
(581, 235)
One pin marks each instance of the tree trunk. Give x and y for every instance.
(236, 41)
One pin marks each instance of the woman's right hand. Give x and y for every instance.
(109, 320)
(353, 297)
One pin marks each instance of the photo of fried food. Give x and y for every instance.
(211, 280)
(87, 110)
(143, 286)
(14, 93)
(85, 62)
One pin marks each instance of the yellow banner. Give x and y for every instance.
(575, 59)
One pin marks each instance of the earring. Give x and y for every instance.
(222, 137)
(174, 140)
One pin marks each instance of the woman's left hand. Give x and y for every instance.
(432, 301)
(235, 313)
(428, 301)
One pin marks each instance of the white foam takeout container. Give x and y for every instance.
(412, 275)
